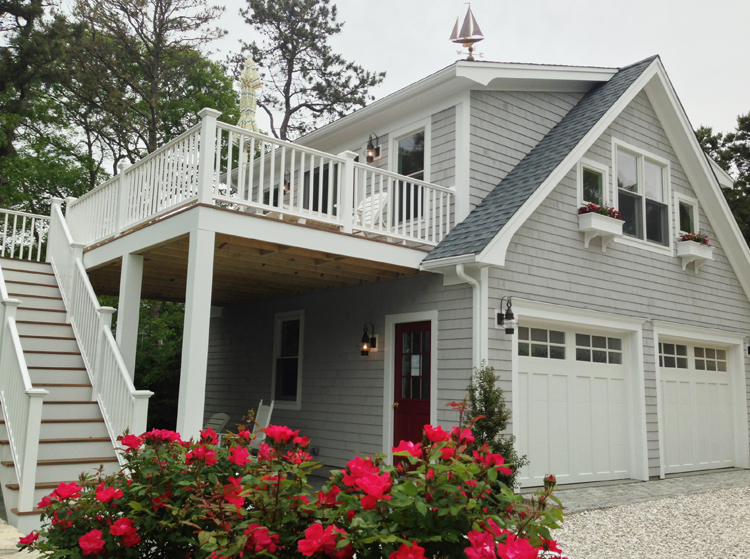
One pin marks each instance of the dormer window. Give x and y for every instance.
(642, 189)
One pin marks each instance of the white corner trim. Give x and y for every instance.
(735, 344)
(462, 157)
(585, 163)
(494, 252)
(277, 320)
(387, 341)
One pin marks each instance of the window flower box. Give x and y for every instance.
(696, 252)
(595, 221)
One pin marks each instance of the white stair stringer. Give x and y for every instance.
(73, 437)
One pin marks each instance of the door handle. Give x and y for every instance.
(395, 404)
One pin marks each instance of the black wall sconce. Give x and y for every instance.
(368, 341)
(507, 320)
(373, 150)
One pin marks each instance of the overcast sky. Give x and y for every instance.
(704, 44)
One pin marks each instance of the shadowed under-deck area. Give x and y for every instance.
(247, 270)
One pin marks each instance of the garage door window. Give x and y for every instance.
(710, 359)
(673, 356)
(598, 349)
(538, 342)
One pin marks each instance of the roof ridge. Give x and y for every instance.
(486, 220)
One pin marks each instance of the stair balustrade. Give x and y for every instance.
(24, 235)
(123, 407)
(21, 402)
(219, 164)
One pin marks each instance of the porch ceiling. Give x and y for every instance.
(247, 270)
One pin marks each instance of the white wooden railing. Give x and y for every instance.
(21, 402)
(122, 406)
(23, 235)
(220, 164)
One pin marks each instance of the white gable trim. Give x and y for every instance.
(658, 88)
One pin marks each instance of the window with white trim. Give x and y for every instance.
(642, 193)
(710, 359)
(538, 342)
(598, 349)
(592, 183)
(673, 356)
(687, 214)
(289, 334)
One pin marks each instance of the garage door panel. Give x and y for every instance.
(697, 411)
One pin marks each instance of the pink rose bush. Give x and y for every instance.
(196, 499)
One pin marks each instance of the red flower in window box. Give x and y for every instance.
(602, 210)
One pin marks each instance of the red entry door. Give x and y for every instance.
(412, 391)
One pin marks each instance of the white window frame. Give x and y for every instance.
(278, 319)
(689, 201)
(668, 249)
(597, 167)
(424, 124)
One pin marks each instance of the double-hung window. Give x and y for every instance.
(642, 187)
(289, 334)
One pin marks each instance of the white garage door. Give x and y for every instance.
(573, 418)
(696, 408)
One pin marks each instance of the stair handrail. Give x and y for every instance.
(21, 402)
(122, 406)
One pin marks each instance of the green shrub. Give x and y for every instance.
(176, 499)
(489, 415)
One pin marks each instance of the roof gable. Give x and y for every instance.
(477, 231)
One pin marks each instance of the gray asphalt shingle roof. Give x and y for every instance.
(485, 221)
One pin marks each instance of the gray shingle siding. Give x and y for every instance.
(475, 232)
(546, 261)
(342, 392)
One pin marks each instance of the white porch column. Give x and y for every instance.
(128, 308)
(195, 335)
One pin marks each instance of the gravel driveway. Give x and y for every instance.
(713, 525)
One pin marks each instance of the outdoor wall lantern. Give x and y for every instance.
(368, 342)
(507, 320)
(373, 150)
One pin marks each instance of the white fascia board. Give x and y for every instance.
(698, 170)
(494, 253)
(697, 334)
(280, 232)
(157, 233)
(532, 77)
(572, 315)
(724, 178)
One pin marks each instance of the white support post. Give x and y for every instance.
(122, 199)
(33, 429)
(207, 157)
(105, 321)
(195, 334)
(346, 192)
(54, 203)
(140, 411)
(128, 308)
(70, 280)
(68, 201)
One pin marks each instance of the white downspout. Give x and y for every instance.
(476, 331)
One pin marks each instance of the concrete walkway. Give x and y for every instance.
(606, 495)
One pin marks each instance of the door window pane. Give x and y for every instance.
(627, 171)
(593, 189)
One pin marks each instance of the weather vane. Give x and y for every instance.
(469, 34)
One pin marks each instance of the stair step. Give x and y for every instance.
(55, 449)
(65, 409)
(62, 392)
(52, 375)
(38, 359)
(49, 344)
(55, 441)
(41, 315)
(45, 485)
(66, 468)
(29, 266)
(34, 296)
(68, 461)
(29, 277)
(32, 288)
(42, 328)
(40, 302)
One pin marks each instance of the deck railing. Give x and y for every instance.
(220, 164)
(21, 402)
(24, 235)
(122, 406)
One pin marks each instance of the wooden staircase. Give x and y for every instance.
(73, 437)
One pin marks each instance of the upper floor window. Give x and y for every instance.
(287, 364)
(687, 213)
(411, 155)
(642, 196)
(592, 183)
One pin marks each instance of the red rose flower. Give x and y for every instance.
(208, 436)
(266, 453)
(298, 457)
(107, 494)
(375, 487)
(260, 539)
(44, 503)
(304, 442)
(91, 542)
(28, 540)
(436, 434)
(408, 551)
(67, 491)
(482, 545)
(281, 435)
(239, 455)
(330, 499)
(202, 454)
(357, 468)
(514, 548)
(124, 527)
(131, 442)
(463, 436)
(447, 453)
(160, 502)
(408, 446)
